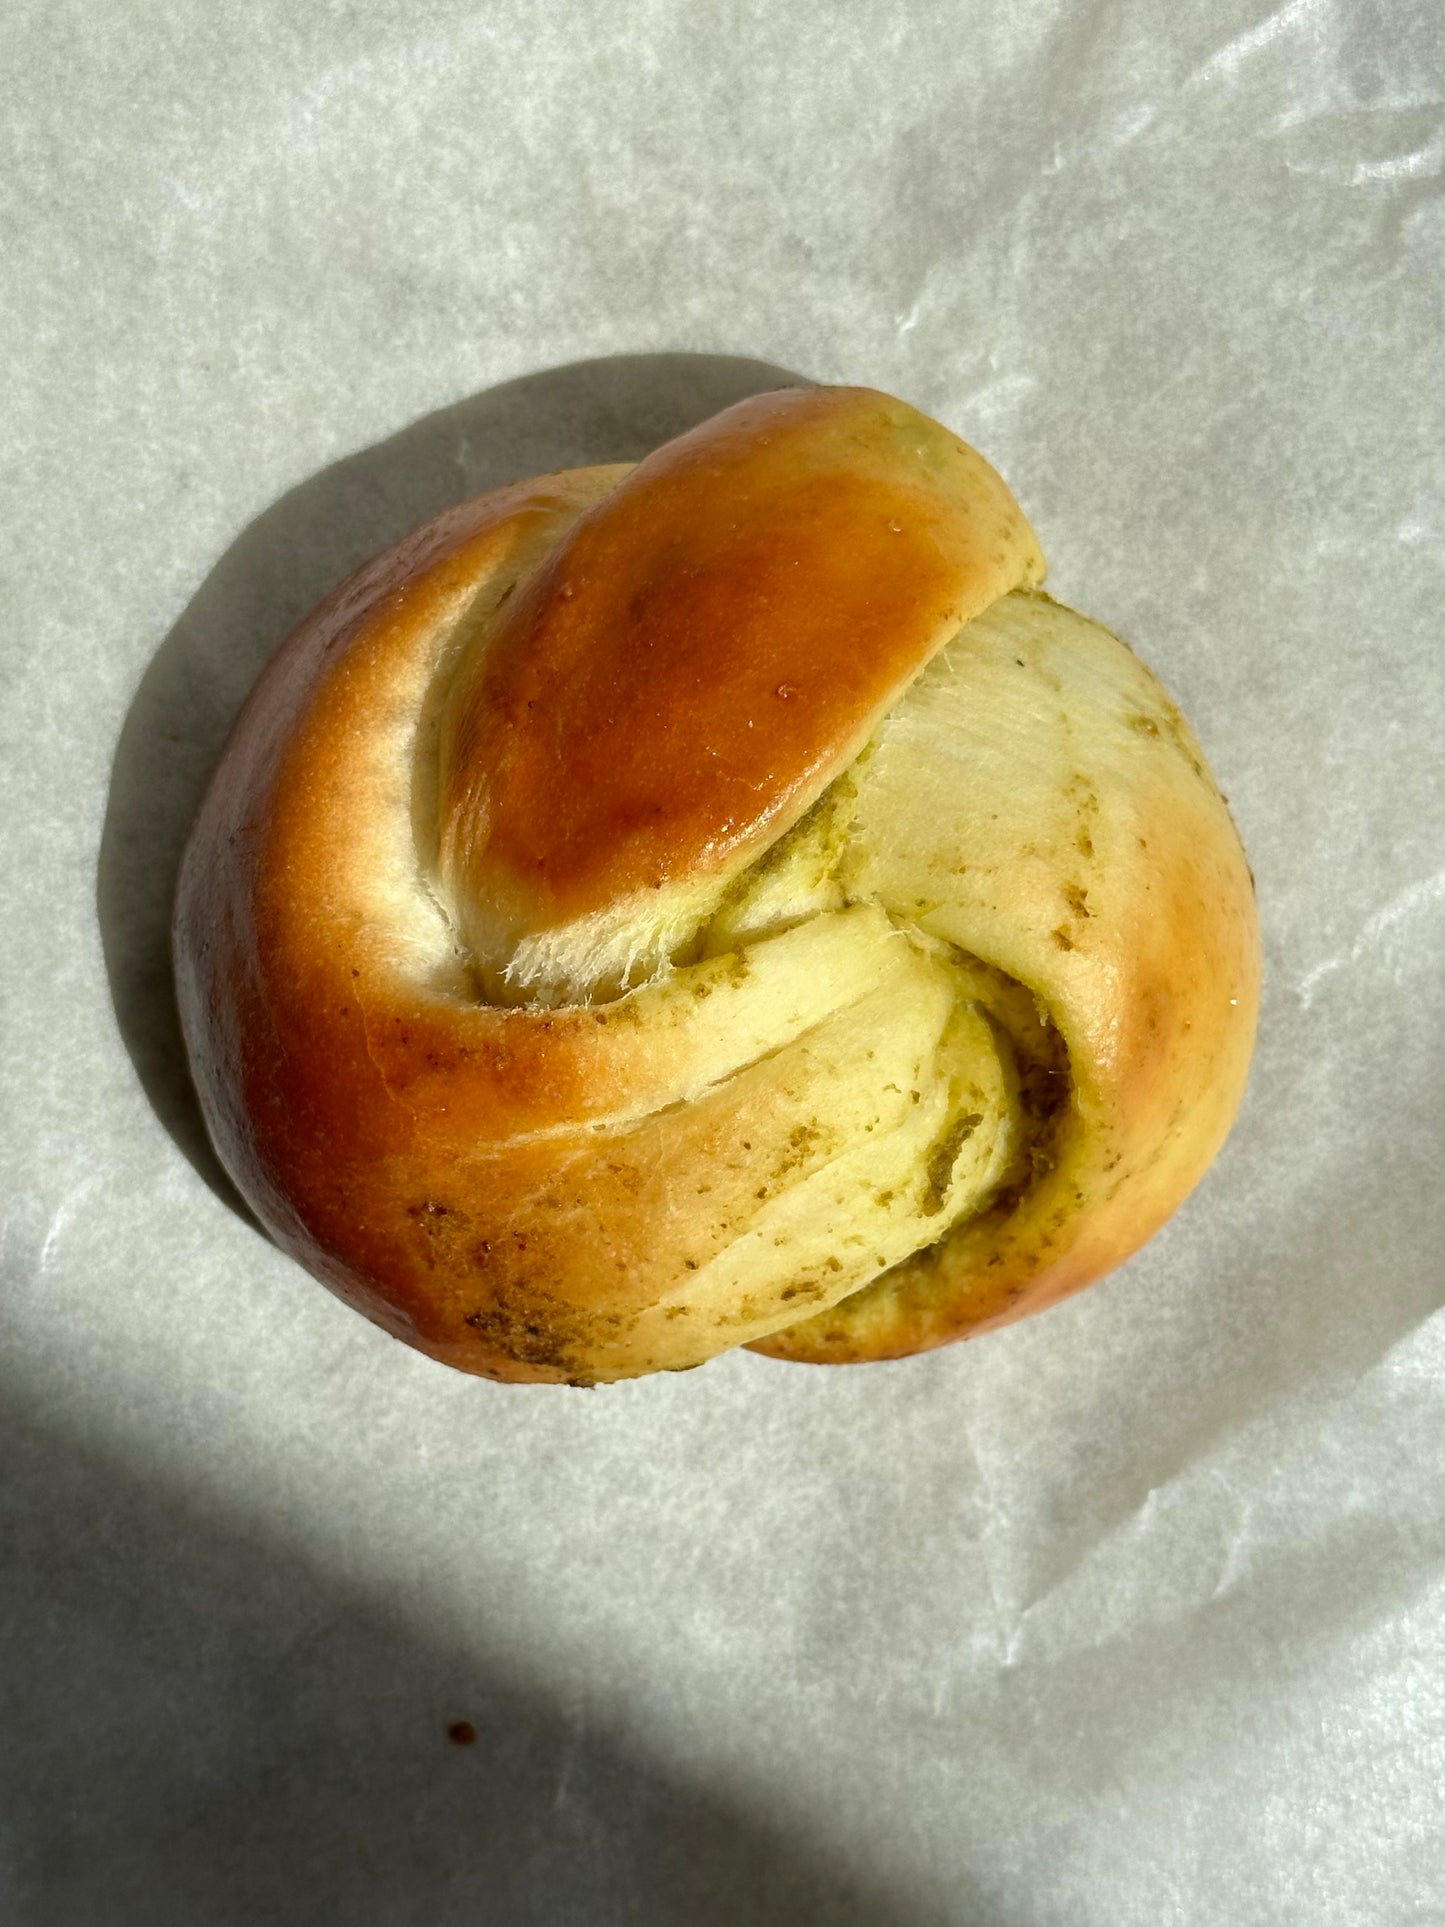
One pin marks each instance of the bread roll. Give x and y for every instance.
(717, 902)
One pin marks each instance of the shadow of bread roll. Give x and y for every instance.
(717, 902)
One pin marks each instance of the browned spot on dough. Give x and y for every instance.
(942, 1159)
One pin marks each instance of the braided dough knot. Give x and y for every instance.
(718, 902)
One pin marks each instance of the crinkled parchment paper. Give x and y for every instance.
(1129, 1616)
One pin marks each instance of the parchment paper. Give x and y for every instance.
(1128, 1616)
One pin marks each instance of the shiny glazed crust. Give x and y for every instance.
(715, 903)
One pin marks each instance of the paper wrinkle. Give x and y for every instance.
(998, 400)
(1356, 117)
(1243, 46)
(906, 323)
(1105, 1552)
(1418, 1353)
(1423, 161)
(994, 1525)
(60, 1220)
(1412, 139)
(1409, 903)
(1213, 1480)
(1153, 1571)
(571, 1758)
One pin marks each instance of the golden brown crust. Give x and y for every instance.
(709, 645)
(585, 1193)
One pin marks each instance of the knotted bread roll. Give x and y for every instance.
(719, 902)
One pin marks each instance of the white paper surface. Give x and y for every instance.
(1127, 1617)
